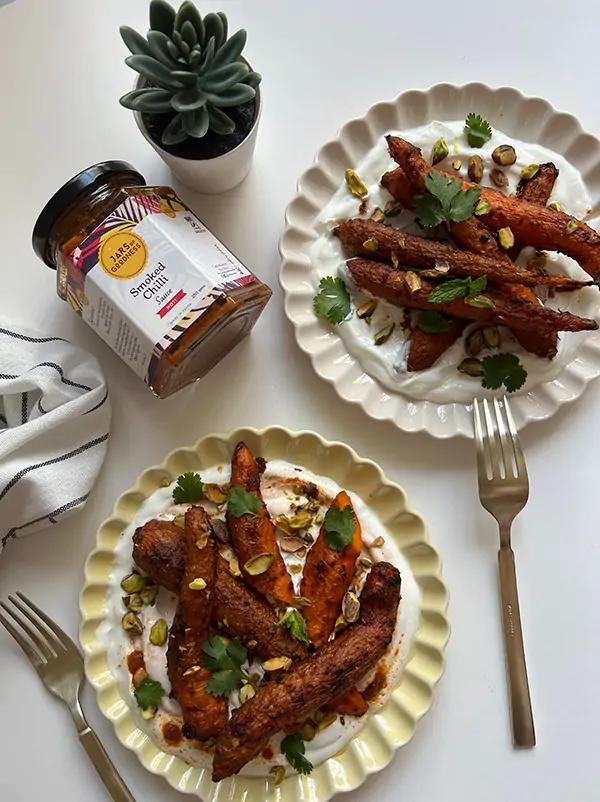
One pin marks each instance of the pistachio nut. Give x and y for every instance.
(471, 366)
(301, 601)
(529, 171)
(277, 774)
(277, 663)
(413, 281)
(252, 644)
(283, 522)
(327, 720)
(556, 206)
(366, 309)
(378, 215)
(483, 207)
(377, 543)
(259, 563)
(295, 568)
(139, 675)
(179, 521)
(216, 493)
(234, 566)
(246, 693)
(134, 602)
(301, 552)
(392, 208)
(203, 539)
(499, 178)
(571, 226)
(365, 563)
(395, 260)
(506, 238)
(456, 164)
(148, 713)
(149, 594)
(439, 151)
(383, 334)
(355, 185)
(340, 624)
(370, 244)
(504, 155)
(480, 302)
(475, 169)
(291, 544)
(307, 732)
(491, 336)
(220, 531)
(350, 607)
(474, 342)
(301, 520)
(133, 583)
(159, 632)
(197, 584)
(132, 624)
(192, 670)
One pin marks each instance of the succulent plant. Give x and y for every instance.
(192, 70)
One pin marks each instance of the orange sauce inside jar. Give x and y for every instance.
(147, 275)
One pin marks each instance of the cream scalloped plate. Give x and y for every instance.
(529, 119)
(385, 730)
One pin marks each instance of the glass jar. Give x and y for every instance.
(147, 275)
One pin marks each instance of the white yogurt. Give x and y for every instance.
(279, 501)
(442, 383)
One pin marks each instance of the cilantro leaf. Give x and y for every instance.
(293, 749)
(241, 503)
(225, 661)
(503, 369)
(332, 301)
(433, 322)
(149, 693)
(478, 130)
(190, 487)
(296, 623)
(457, 288)
(445, 200)
(340, 526)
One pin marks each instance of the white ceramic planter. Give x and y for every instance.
(210, 176)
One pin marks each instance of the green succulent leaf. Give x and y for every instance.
(189, 100)
(174, 133)
(214, 27)
(154, 71)
(253, 79)
(177, 38)
(195, 59)
(186, 50)
(196, 123)
(151, 101)
(237, 94)
(209, 54)
(188, 12)
(173, 50)
(220, 122)
(189, 34)
(223, 17)
(231, 50)
(162, 16)
(223, 78)
(159, 45)
(135, 41)
(185, 78)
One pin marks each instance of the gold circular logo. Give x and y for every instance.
(123, 254)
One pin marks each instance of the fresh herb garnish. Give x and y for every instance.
(478, 130)
(149, 693)
(190, 487)
(503, 369)
(433, 322)
(225, 661)
(445, 200)
(239, 502)
(457, 288)
(296, 623)
(293, 749)
(332, 301)
(340, 526)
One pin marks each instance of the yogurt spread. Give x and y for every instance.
(442, 383)
(276, 490)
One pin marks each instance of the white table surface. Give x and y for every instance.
(61, 63)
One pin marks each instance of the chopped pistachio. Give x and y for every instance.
(556, 206)
(133, 583)
(392, 208)
(307, 732)
(276, 663)
(377, 543)
(149, 594)
(475, 169)
(179, 521)
(530, 171)
(148, 713)
(456, 144)
(234, 566)
(456, 164)
(197, 584)
(480, 302)
(139, 675)
(301, 520)
(158, 633)
(367, 309)
(571, 226)
(277, 773)
(291, 544)
(327, 721)
(483, 207)
(301, 601)
(413, 281)
(395, 260)
(259, 563)
(246, 693)
(439, 151)
(506, 238)
(504, 155)
(202, 540)
(134, 602)
(370, 244)
(220, 531)
(216, 493)
(472, 367)
(378, 215)
(340, 624)
(474, 342)
(301, 552)
(491, 336)
(350, 607)
(355, 185)
(295, 568)
(365, 563)
(132, 624)
(499, 178)
(192, 670)
(383, 334)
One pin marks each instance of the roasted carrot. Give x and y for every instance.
(253, 534)
(352, 703)
(426, 348)
(397, 184)
(327, 576)
(539, 188)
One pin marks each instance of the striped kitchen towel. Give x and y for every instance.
(54, 422)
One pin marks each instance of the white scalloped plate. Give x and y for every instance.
(525, 118)
(384, 731)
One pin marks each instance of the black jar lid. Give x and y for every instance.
(66, 195)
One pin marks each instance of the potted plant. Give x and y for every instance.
(196, 99)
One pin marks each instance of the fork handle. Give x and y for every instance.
(104, 766)
(520, 701)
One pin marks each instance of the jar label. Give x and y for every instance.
(146, 273)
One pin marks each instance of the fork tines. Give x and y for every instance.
(45, 640)
(499, 452)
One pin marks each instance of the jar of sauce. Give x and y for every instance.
(147, 275)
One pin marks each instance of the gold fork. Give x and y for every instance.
(60, 667)
(503, 492)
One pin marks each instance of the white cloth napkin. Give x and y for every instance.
(54, 422)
